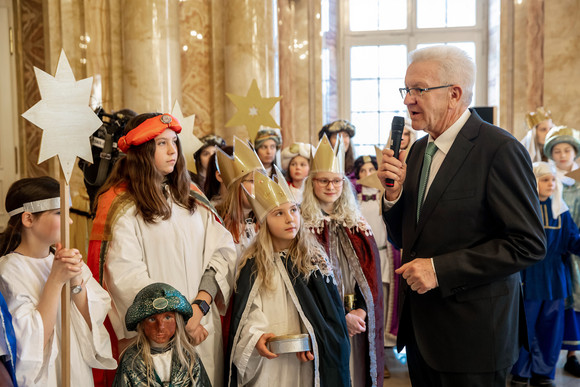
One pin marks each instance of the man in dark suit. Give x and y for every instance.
(475, 227)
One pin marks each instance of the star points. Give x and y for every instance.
(64, 115)
(253, 110)
(189, 142)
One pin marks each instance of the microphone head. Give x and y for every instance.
(398, 123)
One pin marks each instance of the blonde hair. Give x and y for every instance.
(346, 210)
(303, 251)
(181, 342)
(231, 209)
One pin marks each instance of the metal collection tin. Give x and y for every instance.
(289, 343)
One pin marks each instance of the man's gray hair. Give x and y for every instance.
(455, 67)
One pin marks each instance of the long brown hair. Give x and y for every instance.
(231, 209)
(24, 191)
(144, 182)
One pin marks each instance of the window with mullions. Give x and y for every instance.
(377, 37)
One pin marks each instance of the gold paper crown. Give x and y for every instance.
(327, 159)
(268, 193)
(243, 161)
(534, 118)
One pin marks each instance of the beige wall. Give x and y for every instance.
(44, 26)
(561, 70)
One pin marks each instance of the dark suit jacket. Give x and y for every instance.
(481, 224)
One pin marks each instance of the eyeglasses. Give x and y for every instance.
(325, 182)
(418, 91)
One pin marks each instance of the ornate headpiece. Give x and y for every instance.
(268, 193)
(243, 161)
(534, 118)
(327, 159)
(154, 299)
(296, 149)
(268, 134)
(148, 130)
(337, 127)
(212, 139)
(560, 134)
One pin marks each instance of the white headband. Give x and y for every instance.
(37, 206)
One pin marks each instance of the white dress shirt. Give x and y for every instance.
(443, 143)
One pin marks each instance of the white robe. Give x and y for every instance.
(372, 212)
(175, 251)
(22, 280)
(271, 311)
(298, 192)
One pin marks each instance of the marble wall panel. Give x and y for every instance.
(562, 57)
(217, 54)
(308, 79)
(300, 70)
(195, 39)
(561, 73)
(31, 39)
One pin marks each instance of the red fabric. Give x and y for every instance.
(367, 252)
(148, 130)
(103, 378)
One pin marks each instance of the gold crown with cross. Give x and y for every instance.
(243, 161)
(268, 193)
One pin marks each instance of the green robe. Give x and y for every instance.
(132, 372)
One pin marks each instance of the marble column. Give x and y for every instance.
(288, 48)
(535, 54)
(30, 49)
(250, 53)
(151, 56)
(300, 70)
(197, 79)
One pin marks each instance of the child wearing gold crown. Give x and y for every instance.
(288, 327)
(236, 174)
(330, 211)
(153, 225)
(539, 123)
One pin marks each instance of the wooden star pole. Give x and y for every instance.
(67, 121)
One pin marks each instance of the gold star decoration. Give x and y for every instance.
(253, 110)
(189, 142)
(64, 115)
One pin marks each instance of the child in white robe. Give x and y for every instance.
(285, 287)
(32, 276)
(153, 225)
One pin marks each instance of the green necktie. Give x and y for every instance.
(429, 152)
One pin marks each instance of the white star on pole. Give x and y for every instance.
(64, 115)
(189, 142)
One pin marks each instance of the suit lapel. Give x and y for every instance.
(453, 161)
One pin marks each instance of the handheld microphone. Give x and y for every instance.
(396, 135)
